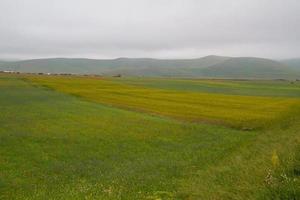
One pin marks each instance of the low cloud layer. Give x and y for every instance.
(149, 28)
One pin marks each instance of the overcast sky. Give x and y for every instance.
(149, 28)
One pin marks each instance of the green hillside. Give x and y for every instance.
(90, 66)
(246, 67)
(209, 66)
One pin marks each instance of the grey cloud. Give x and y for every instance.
(149, 28)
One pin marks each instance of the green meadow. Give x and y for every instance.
(68, 137)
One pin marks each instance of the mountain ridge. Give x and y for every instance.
(208, 66)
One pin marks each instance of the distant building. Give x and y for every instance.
(118, 75)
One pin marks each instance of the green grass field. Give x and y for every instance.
(82, 138)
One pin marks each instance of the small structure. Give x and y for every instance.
(8, 71)
(118, 76)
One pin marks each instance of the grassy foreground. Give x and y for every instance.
(59, 146)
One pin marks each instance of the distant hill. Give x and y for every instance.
(136, 66)
(209, 66)
(293, 63)
(249, 67)
(2, 62)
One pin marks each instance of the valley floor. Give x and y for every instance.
(81, 138)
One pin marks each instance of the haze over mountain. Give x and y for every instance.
(247, 67)
(99, 29)
(294, 63)
(209, 66)
(152, 29)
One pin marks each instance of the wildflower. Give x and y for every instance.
(269, 179)
(275, 159)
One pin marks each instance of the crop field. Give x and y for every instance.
(68, 137)
(276, 88)
(246, 112)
